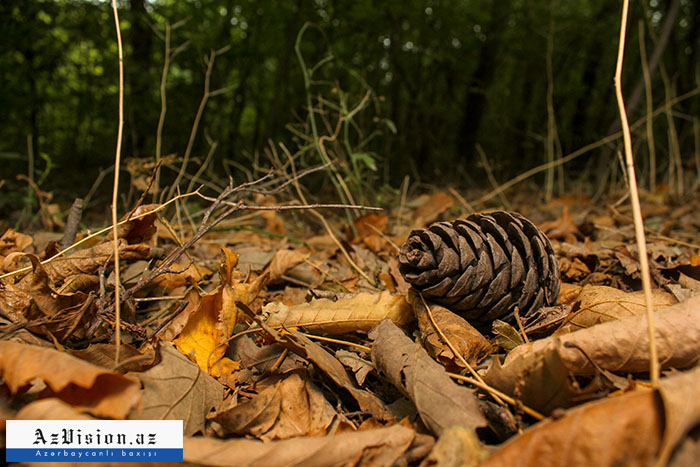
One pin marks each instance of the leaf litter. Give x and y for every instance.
(290, 356)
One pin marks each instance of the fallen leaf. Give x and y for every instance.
(506, 336)
(303, 346)
(131, 359)
(191, 275)
(599, 304)
(469, 343)
(431, 208)
(209, 327)
(541, 381)
(138, 230)
(457, 446)
(359, 366)
(283, 261)
(358, 313)
(89, 260)
(617, 346)
(562, 229)
(177, 389)
(417, 376)
(648, 426)
(86, 387)
(623, 430)
(291, 407)
(383, 446)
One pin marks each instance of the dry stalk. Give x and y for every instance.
(115, 189)
(634, 198)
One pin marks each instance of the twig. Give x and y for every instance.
(634, 198)
(115, 190)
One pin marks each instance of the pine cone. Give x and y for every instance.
(483, 267)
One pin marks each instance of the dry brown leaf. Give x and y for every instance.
(170, 332)
(648, 426)
(599, 304)
(303, 346)
(369, 228)
(563, 228)
(15, 301)
(506, 336)
(440, 402)
(86, 387)
(138, 230)
(12, 244)
(471, 345)
(359, 366)
(681, 409)
(457, 446)
(131, 359)
(622, 430)
(261, 359)
(176, 389)
(568, 293)
(291, 407)
(283, 261)
(383, 446)
(358, 313)
(616, 346)
(88, 261)
(190, 276)
(431, 209)
(541, 381)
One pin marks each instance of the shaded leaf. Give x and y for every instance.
(329, 365)
(647, 426)
(469, 342)
(506, 336)
(359, 366)
(130, 359)
(177, 389)
(622, 345)
(417, 376)
(624, 430)
(293, 406)
(283, 261)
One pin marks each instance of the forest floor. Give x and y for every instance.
(293, 338)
